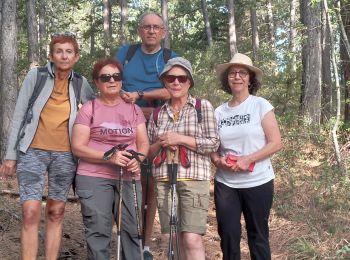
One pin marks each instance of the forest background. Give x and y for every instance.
(301, 46)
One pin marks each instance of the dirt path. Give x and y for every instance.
(73, 244)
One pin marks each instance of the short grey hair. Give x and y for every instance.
(142, 17)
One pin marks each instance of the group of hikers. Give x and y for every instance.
(143, 142)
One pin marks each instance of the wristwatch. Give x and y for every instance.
(140, 93)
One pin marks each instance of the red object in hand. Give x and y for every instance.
(231, 160)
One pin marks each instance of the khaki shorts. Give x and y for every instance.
(192, 209)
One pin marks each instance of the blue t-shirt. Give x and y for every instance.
(142, 71)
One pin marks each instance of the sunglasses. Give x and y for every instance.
(67, 34)
(172, 78)
(107, 77)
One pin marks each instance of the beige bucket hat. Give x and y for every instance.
(239, 59)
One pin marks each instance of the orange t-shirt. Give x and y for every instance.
(52, 132)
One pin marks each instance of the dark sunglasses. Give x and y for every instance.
(107, 77)
(171, 78)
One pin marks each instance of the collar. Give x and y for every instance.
(190, 100)
(51, 69)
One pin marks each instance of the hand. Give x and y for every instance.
(8, 168)
(242, 163)
(133, 166)
(120, 158)
(129, 97)
(222, 164)
(170, 139)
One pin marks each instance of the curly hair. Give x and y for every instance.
(252, 88)
(99, 64)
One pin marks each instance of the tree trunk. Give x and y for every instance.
(42, 31)
(292, 36)
(123, 21)
(344, 24)
(311, 60)
(255, 35)
(232, 27)
(8, 81)
(336, 77)
(326, 100)
(207, 22)
(164, 7)
(107, 27)
(271, 33)
(341, 25)
(32, 32)
(92, 29)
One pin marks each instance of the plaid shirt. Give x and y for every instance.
(205, 134)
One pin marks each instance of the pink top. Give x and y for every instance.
(109, 126)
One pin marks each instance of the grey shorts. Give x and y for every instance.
(31, 170)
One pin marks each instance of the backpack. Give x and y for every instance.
(42, 74)
(197, 106)
(132, 49)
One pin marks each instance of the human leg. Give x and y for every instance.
(31, 211)
(53, 227)
(192, 246)
(97, 199)
(228, 215)
(31, 168)
(61, 171)
(193, 211)
(129, 235)
(256, 209)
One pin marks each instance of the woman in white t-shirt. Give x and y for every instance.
(249, 135)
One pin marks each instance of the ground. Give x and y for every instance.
(73, 245)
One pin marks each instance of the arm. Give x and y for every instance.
(80, 148)
(20, 110)
(208, 141)
(274, 144)
(156, 94)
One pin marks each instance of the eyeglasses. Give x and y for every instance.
(172, 78)
(148, 27)
(241, 73)
(67, 34)
(107, 77)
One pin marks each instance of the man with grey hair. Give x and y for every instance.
(143, 63)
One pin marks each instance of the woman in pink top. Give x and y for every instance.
(101, 124)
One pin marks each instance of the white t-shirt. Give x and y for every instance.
(241, 134)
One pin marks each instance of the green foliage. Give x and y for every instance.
(304, 249)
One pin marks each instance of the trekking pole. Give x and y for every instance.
(137, 214)
(106, 157)
(172, 160)
(145, 206)
(137, 211)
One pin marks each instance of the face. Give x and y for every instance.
(238, 78)
(109, 81)
(63, 56)
(177, 82)
(152, 30)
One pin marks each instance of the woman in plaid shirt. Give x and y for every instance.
(178, 135)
